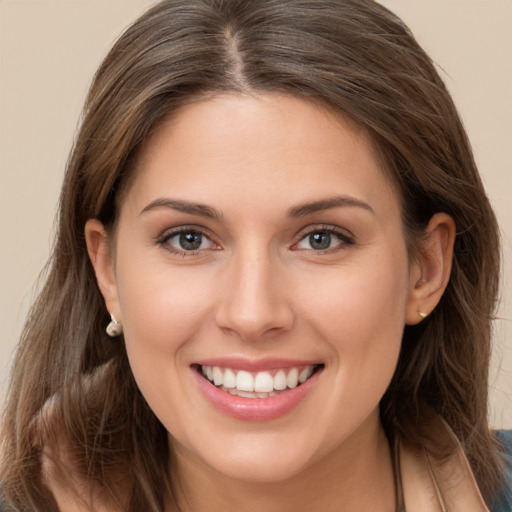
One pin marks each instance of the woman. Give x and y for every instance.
(273, 281)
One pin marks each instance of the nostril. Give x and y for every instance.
(254, 307)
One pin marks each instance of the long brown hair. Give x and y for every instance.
(352, 55)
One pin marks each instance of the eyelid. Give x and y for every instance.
(343, 234)
(168, 234)
(328, 228)
(346, 237)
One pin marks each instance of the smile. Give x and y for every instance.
(256, 391)
(257, 384)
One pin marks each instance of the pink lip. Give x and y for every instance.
(254, 409)
(254, 365)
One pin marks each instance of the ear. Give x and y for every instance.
(101, 258)
(430, 270)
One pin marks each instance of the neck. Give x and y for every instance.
(355, 476)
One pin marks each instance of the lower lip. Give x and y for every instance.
(256, 409)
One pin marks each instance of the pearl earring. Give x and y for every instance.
(423, 315)
(114, 328)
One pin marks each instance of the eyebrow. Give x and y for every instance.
(328, 204)
(183, 206)
(297, 211)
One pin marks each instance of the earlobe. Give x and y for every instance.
(430, 271)
(100, 255)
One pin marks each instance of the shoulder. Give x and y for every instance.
(503, 502)
(505, 438)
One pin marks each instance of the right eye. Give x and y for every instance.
(186, 242)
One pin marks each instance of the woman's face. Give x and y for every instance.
(261, 245)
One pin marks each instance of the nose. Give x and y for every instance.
(254, 301)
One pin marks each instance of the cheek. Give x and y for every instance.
(359, 312)
(161, 306)
(357, 305)
(160, 309)
(164, 314)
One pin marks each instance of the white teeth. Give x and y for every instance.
(244, 381)
(217, 376)
(263, 383)
(256, 384)
(280, 380)
(245, 394)
(305, 374)
(229, 379)
(293, 378)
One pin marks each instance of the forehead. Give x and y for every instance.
(272, 148)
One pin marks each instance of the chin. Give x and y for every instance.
(257, 457)
(269, 470)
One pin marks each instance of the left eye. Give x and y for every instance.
(187, 241)
(322, 240)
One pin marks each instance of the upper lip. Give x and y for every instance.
(255, 365)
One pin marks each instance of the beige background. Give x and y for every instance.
(49, 50)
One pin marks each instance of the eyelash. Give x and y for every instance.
(346, 240)
(165, 238)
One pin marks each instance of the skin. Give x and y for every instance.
(258, 288)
